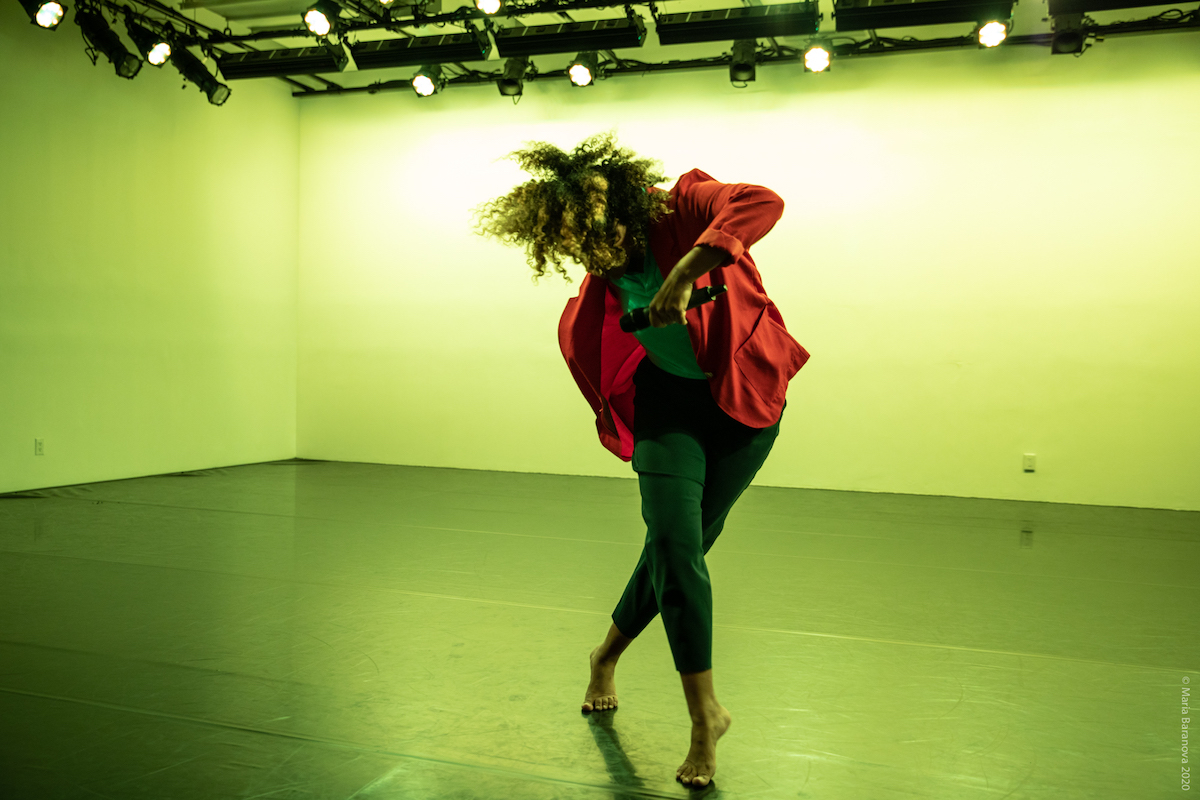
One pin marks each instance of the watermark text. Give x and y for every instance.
(1185, 710)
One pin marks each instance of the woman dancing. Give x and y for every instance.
(694, 400)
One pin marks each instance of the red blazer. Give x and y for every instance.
(739, 338)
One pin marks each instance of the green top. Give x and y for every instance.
(669, 347)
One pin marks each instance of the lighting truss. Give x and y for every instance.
(861, 15)
(1058, 7)
(473, 45)
(290, 61)
(1071, 32)
(571, 37)
(753, 22)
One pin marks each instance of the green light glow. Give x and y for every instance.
(317, 22)
(49, 15)
(817, 59)
(423, 85)
(159, 54)
(992, 34)
(580, 75)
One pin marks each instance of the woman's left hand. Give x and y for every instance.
(671, 302)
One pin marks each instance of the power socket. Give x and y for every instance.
(1029, 462)
(37, 447)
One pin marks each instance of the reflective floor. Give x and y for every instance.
(309, 629)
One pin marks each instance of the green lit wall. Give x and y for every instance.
(988, 253)
(147, 267)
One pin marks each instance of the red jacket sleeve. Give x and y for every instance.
(741, 213)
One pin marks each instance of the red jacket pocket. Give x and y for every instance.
(769, 358)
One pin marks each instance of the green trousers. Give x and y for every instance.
(693, 462)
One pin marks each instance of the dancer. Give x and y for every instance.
(694, 401)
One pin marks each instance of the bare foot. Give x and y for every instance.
(602, 689)
(701, 763)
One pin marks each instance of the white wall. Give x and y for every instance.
(147, 267)
(987, 253)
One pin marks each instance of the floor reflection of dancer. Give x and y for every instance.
(694, 401)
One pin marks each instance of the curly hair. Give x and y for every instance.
(564, 211)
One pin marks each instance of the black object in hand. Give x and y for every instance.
(639, 318)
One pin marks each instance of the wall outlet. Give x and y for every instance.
(1029, 462)
(37, 447)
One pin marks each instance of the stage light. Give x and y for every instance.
(44, 14)
(1068, 34)
(413, 51)
(322, 17)
(105, 39)
(328, 57)
(159, 54)
(155, 48)
(512, 81)
(1062, 7)
(488, 6)
(992, 33)
(429, 80)
(753, 22)
(861, 15)
(741, 65)
(817, 57)
(571, 37)
(191, 68)
(583, 69)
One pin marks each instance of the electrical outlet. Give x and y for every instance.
(1029, 463)
(37, 447)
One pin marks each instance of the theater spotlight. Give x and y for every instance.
(817, 57)
(862, 15)
(741, 65)
(44, 14)
(571, 37)
(488, 6)
(584, 69)
(190, 67)
(155, 48)
(105, 39)
(992, 33)
(429, 80)
(1068, 34)
(322, 17)
(732, 24)
(512, 81)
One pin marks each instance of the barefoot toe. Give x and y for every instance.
(601, 691)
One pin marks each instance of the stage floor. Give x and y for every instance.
(309, 629)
